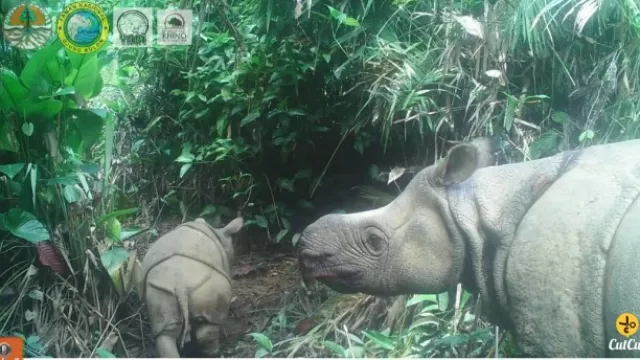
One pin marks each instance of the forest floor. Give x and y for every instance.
(261, 280)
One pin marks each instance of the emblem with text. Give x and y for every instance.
(83, 27)
(132, 27)
(175, 27)
(627, 326)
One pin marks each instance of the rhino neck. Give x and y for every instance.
(487, 209)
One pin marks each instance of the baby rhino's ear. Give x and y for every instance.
(234, 226)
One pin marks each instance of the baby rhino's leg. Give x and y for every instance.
(209, 306)
(166, 321)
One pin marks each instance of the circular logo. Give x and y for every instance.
(174, 21)
(27, 26)
(627, 324)
(5, 349)
(83, 27)
(132, 27)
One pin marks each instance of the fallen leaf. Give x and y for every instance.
(50, 256)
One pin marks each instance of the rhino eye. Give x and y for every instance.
(375, 241)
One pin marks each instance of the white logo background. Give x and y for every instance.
(175, 27)
(131, 21)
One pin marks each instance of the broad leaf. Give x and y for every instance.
(12, 93)
(24, 225)
(36, 66)
(89, 125)
(11, 170)
(113, 260)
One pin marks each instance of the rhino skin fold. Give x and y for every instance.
(552, 246)
(184, 281)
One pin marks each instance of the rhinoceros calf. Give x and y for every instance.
(552, 245)
(184, 280)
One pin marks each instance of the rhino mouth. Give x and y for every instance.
(317, 266)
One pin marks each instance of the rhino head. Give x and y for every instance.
(405, 247)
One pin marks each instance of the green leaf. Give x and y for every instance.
(544, 144)
(560, 117)
(208, 210)
(296, 112)
(24, 225)
(452, 340)
(116, 213)
(261, 352)
(12, 93)
(286, 184)
(379, 339)
(249, 118)
(335, 347)
(443, 301)
(281, 234)
(358, 146)
(89, 124)
(114, 229)
(349, 21)
(102, 353)
(589, 134)
(302, 174)
(509, 113)
(261, 221)
(27, 128)
(84, 75)
(72, 193)
(185, 158)
(129, 233)
(11, 170)
(221, 126)
(416, 299)
(263, 341)
(36, 67)
(64, 180)
(48, 108)
(184, 168)
(295, 238)
(113, 260)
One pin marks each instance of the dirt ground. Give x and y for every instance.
(261, 278)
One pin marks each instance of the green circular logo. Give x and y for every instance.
(83, 27)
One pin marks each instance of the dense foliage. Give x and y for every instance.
(277, 111)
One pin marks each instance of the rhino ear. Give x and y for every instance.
(234, 226)
(459, 164)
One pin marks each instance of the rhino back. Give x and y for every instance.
(191, 240)
(555, 268)
(622, 285)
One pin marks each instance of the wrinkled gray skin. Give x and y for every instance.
(552, 245)
(187, 287)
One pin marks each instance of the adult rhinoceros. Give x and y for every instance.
(552, 245)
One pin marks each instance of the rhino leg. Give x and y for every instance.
(166, 320)
(166, 346)
(622, 286)
(165, 317)
(209, 307)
